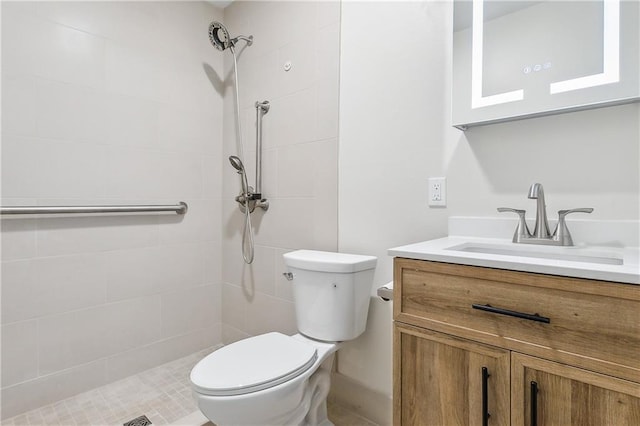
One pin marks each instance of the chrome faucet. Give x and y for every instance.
(541, 228)
(541, 235)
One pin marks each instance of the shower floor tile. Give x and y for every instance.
(162, 394)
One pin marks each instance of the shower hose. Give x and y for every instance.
(247, 231)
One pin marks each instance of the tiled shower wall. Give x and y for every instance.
(107, 103)
(300, 161)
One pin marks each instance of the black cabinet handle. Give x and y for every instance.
(531, 317)
(485, 397)
(534, 404)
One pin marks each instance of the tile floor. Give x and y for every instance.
(163, 394)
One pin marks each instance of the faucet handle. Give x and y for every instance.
(562, 233)
(509, 209)
(522, 231)
(563, 213)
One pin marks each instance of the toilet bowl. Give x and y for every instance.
(274, 379)
(286, 381)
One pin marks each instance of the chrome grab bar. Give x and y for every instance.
(180, 208)
(261, 109)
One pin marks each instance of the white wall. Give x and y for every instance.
(107, 103)
(395, 132)
(300, 158)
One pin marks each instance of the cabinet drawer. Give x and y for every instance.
(592, 324)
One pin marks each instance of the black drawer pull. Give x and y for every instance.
(534, 404)
(485, 397)
(531, 317)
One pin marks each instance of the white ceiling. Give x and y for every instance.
(220, 3)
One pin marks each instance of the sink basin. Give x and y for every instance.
(571, 254)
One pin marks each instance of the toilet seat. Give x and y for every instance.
(252, 364)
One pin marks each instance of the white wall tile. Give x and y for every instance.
(234, 308)
(231, 334)
(212, 260)
(10, 8)
(131, 273)
(327, 56)
(297, 167)
(131, 122)
(287, 223)
(212, 175)
(267, 21)
(180, 266)
(71, 112)
(132, 323)
(33, 167)
(256, 277)
(299, 172)
(259, 85)
(19, 352)
(163, 175)
(185, 311)
(110, 103)
(201, 223)
(284, 287)
(303, 65)
(56, 52)
(198, 88)
(292, 119)
(77, 337)
(189, 129)
(327, 105)
(134, 23)
(45, 390)
(132, 362)
(327, 13)
(58, 236)
(136, 72)
(18, 237)
(19, 105)
(43, 286)
(271, 314)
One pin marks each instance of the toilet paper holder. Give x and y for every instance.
(386, 292)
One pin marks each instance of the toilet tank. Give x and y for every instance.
(331, 293)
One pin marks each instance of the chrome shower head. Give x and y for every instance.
(236, 163)
(220, 38)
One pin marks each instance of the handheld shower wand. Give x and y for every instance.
(237, 164)
(244, 198)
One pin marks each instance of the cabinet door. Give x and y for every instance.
(439, 380)
(547, 393)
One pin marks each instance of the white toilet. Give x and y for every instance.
(274, 379)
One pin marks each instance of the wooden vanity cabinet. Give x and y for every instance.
(482, 346)
(445, 380)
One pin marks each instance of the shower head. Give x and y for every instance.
(218, 35)
(236, 163)
(220, 39)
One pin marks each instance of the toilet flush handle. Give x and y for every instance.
(288, 276)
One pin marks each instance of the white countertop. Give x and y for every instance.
(580, 261)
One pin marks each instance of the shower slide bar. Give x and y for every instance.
(180, 208)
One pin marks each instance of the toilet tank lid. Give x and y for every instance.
(325, 261)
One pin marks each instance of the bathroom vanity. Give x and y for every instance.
(483, 338)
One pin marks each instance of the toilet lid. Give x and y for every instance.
(252, 364)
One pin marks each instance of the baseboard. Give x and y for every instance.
(363, 401)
